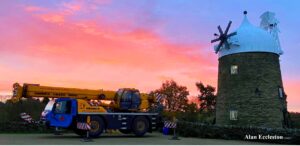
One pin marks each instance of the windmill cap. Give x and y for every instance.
(251, 38)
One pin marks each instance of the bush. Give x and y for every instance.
(295, 119)
(22, 127)
(11, 111)
(10, 116)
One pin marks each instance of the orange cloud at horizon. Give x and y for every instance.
(291, 87)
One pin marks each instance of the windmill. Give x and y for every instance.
(223, 37)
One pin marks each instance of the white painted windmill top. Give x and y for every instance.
(250, 38)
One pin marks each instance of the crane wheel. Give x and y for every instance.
(97, 126)
(140, 126)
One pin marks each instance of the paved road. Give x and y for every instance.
(109, 139)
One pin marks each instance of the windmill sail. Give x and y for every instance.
(223, 38)
(268, 19)
(270, 24)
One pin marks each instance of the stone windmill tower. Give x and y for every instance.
(250, 89)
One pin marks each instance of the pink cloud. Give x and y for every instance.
(53, 18)
(33, 8)
(72, 6)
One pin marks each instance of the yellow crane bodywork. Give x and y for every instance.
(82, 96)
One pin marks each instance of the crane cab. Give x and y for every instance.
(60, 112)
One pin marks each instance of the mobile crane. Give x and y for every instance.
(128, 110)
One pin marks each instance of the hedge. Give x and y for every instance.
(22, 127)
(191, 129)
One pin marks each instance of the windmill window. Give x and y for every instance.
(233, 115)
(234, 69)
(280, 92)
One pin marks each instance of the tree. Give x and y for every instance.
(175, 96)
(191, 113)
(207, 97)
(191, 108)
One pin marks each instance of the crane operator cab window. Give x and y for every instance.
(125, 100)
(50, 105)
(136, 100)
(62, 107)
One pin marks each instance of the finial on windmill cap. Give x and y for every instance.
(245, 12)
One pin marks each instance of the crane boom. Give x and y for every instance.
(35, 90)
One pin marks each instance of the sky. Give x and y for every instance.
(110, 44)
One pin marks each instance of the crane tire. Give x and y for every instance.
(97, 126)
(140, 126)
